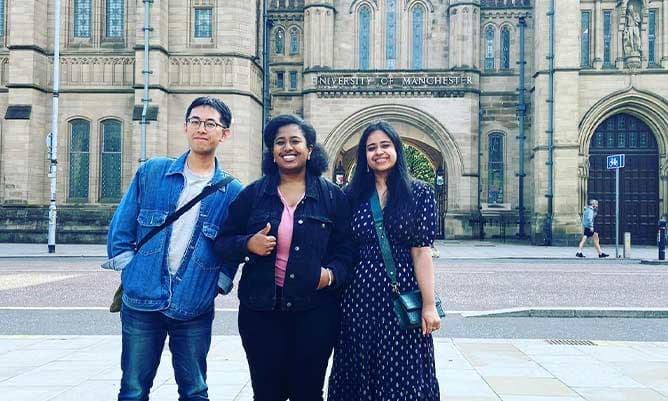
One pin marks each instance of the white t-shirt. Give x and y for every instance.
(182, 228)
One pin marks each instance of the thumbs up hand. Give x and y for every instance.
(261, 243)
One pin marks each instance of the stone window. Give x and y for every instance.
(294, 40)
(110, 161)
(364, 22)
(79, 160)
(391, 34)
(203, 22)
(417, 37)
(607, 37)
(651, 37)
(114, 16)
(489, 48)
(495, 168)
(293, 79)
(585, 18)
(2, 17)
(280, 79)
(505, 48)
(82, 18)
(279, 41)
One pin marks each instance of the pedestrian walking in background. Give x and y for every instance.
(588, 216)
(376, 358)
(291, 229)
(169, 284)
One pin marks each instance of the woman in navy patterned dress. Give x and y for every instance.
(375, 359)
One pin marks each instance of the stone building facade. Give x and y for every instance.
(445, 73)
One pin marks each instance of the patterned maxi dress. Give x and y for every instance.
(375, 359)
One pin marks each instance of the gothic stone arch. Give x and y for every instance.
(646, 106)
(420, 130)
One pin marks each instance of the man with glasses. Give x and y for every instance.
(169, 284)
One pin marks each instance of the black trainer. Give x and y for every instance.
(580, 255)
(603, 255)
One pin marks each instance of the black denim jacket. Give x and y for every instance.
(321, 237)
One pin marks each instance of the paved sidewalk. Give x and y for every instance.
(86, 368)
(450, 249)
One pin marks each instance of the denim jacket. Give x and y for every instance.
(321, 237)
(147, 283)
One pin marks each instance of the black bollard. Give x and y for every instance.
(662, 239)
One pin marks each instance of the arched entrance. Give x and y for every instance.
(417, 129)
(639, 179)
(423, 162)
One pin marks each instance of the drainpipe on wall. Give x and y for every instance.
(481, 223)
(146, 72)
(266, 28)
(521, 112)
(52, 138)
(550, 128)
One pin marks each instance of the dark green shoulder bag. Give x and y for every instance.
(407, 305)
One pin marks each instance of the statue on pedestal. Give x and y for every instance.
(631, 34)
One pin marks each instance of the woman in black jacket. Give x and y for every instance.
(291, 229)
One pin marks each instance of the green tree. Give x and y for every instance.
(419, 165)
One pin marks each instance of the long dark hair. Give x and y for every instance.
(316, 165)
(399, 180)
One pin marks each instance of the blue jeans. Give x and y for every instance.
(143, 339)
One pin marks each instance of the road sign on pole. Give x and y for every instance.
(616, 162)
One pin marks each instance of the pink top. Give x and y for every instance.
(284, 239)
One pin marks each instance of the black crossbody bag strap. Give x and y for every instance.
(174, 216)
(385, 249)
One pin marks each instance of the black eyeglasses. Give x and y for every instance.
(209, 125)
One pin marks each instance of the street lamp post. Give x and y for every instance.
(52, 137)
(439, 184)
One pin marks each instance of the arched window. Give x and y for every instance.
(2, 17)
(651, 37)
(585, 18)
(607, 37)
(81, 18)
(114, 19)
(489, 48)
(505, 48)
(363, 37)
(417, 37)
(294, 40)
(79, 159)
(391, 34)
(495, 170)
(279, 41)
(203, 22)
(110, 161)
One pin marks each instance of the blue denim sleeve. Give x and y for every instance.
(122, 234)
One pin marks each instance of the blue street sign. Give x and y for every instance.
(615, 161)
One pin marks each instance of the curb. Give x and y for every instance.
(620, 313)
(653, 262)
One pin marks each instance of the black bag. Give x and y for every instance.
(407, 305)
(117, 301)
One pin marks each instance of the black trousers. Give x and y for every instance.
(287, 352)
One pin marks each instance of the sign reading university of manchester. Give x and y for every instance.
(438, 84)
